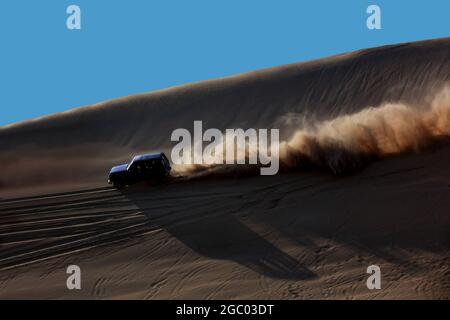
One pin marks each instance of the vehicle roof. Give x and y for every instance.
(147, 156)
(119, 168)
(144, 157)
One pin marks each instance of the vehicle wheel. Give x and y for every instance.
(118, 185)
(156, 181)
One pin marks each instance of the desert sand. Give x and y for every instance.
(365, 180)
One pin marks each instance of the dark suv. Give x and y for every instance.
(152, 167)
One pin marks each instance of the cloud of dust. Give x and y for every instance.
(347, 143)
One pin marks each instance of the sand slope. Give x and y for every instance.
(304, 233)
(95, 137)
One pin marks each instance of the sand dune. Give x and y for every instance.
(381, 116)
(95, 137)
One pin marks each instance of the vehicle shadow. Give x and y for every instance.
(213, 231)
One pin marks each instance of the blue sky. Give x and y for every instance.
(133, 46)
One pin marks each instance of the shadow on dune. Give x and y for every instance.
(222, 236)
(387, 213)
(390, 212)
